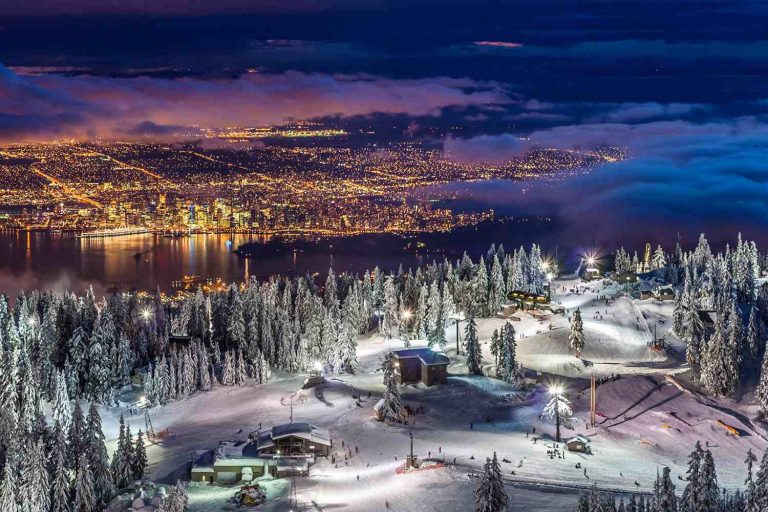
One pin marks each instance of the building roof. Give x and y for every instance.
(578, 439)
(427, 356)
(266, 437)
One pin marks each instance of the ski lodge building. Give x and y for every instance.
(414, 365)
(283, 450)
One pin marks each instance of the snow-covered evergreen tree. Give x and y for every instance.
(576, 338)
(393, 404)
(391, 316)
(177, 499)
(34, 489)
(98, 459)
(472, 346)
(761, 393)
(84, 495)
(659, 259)
(490, 495)
(139, 465)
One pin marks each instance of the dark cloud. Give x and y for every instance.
(681, 177)
(484, 148)
(46, 106)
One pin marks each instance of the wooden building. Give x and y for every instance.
(413, 365)
(526, 300)
(283, 450)
(296, 438)
(579, 444)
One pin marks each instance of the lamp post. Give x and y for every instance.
(406, 317)
(457, 317)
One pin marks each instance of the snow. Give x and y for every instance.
(645, 421)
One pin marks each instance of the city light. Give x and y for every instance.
(556, 390)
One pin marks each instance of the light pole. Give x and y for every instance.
(406, 317)
(457, 317)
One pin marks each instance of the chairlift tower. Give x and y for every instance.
(148, 424)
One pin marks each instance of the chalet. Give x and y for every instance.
(413, 365)
(625, 276)
(644, 290)
(579, 444)
(590, 273)
(526, 300)
(664, 293)
(283, 450)
(296, 438)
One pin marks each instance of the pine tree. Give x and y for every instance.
(753, 333)
(496, 349)
(497, 292)
(479, 291)
(576, 338)
(85, 498)
(129, 456)
(510, 370)
(472, 344)
(558, 409)
(393, 404)
(749, 484)
(490, 495)
(62, 406)
(695, 332)
(760, 495)
(8, 500)
(34, 489)
(666, 501)
(60, 483)
(391, 318)
(98, 459)
(177, 499)
(118, 457)
(76, 436)
(761, 393)
(140, 458)
(659, 259)
(678, 317)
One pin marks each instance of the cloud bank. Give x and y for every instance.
(52, 106)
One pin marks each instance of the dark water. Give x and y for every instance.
(61, 261)
(557, 216)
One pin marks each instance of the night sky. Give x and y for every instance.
(682, 85)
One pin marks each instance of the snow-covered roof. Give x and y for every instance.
(425, 354)
(578, 439)
(302, 429)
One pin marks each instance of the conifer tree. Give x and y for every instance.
(177, 499)
(761, 393)
(749, 484)
(472, 344)
(97, 458)
(576, 338)
(490, 495)
(140, 458)
(34, 489)
(760, 495)
(8, 498)
(393, 404)
(60, 483)
(85, 498)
